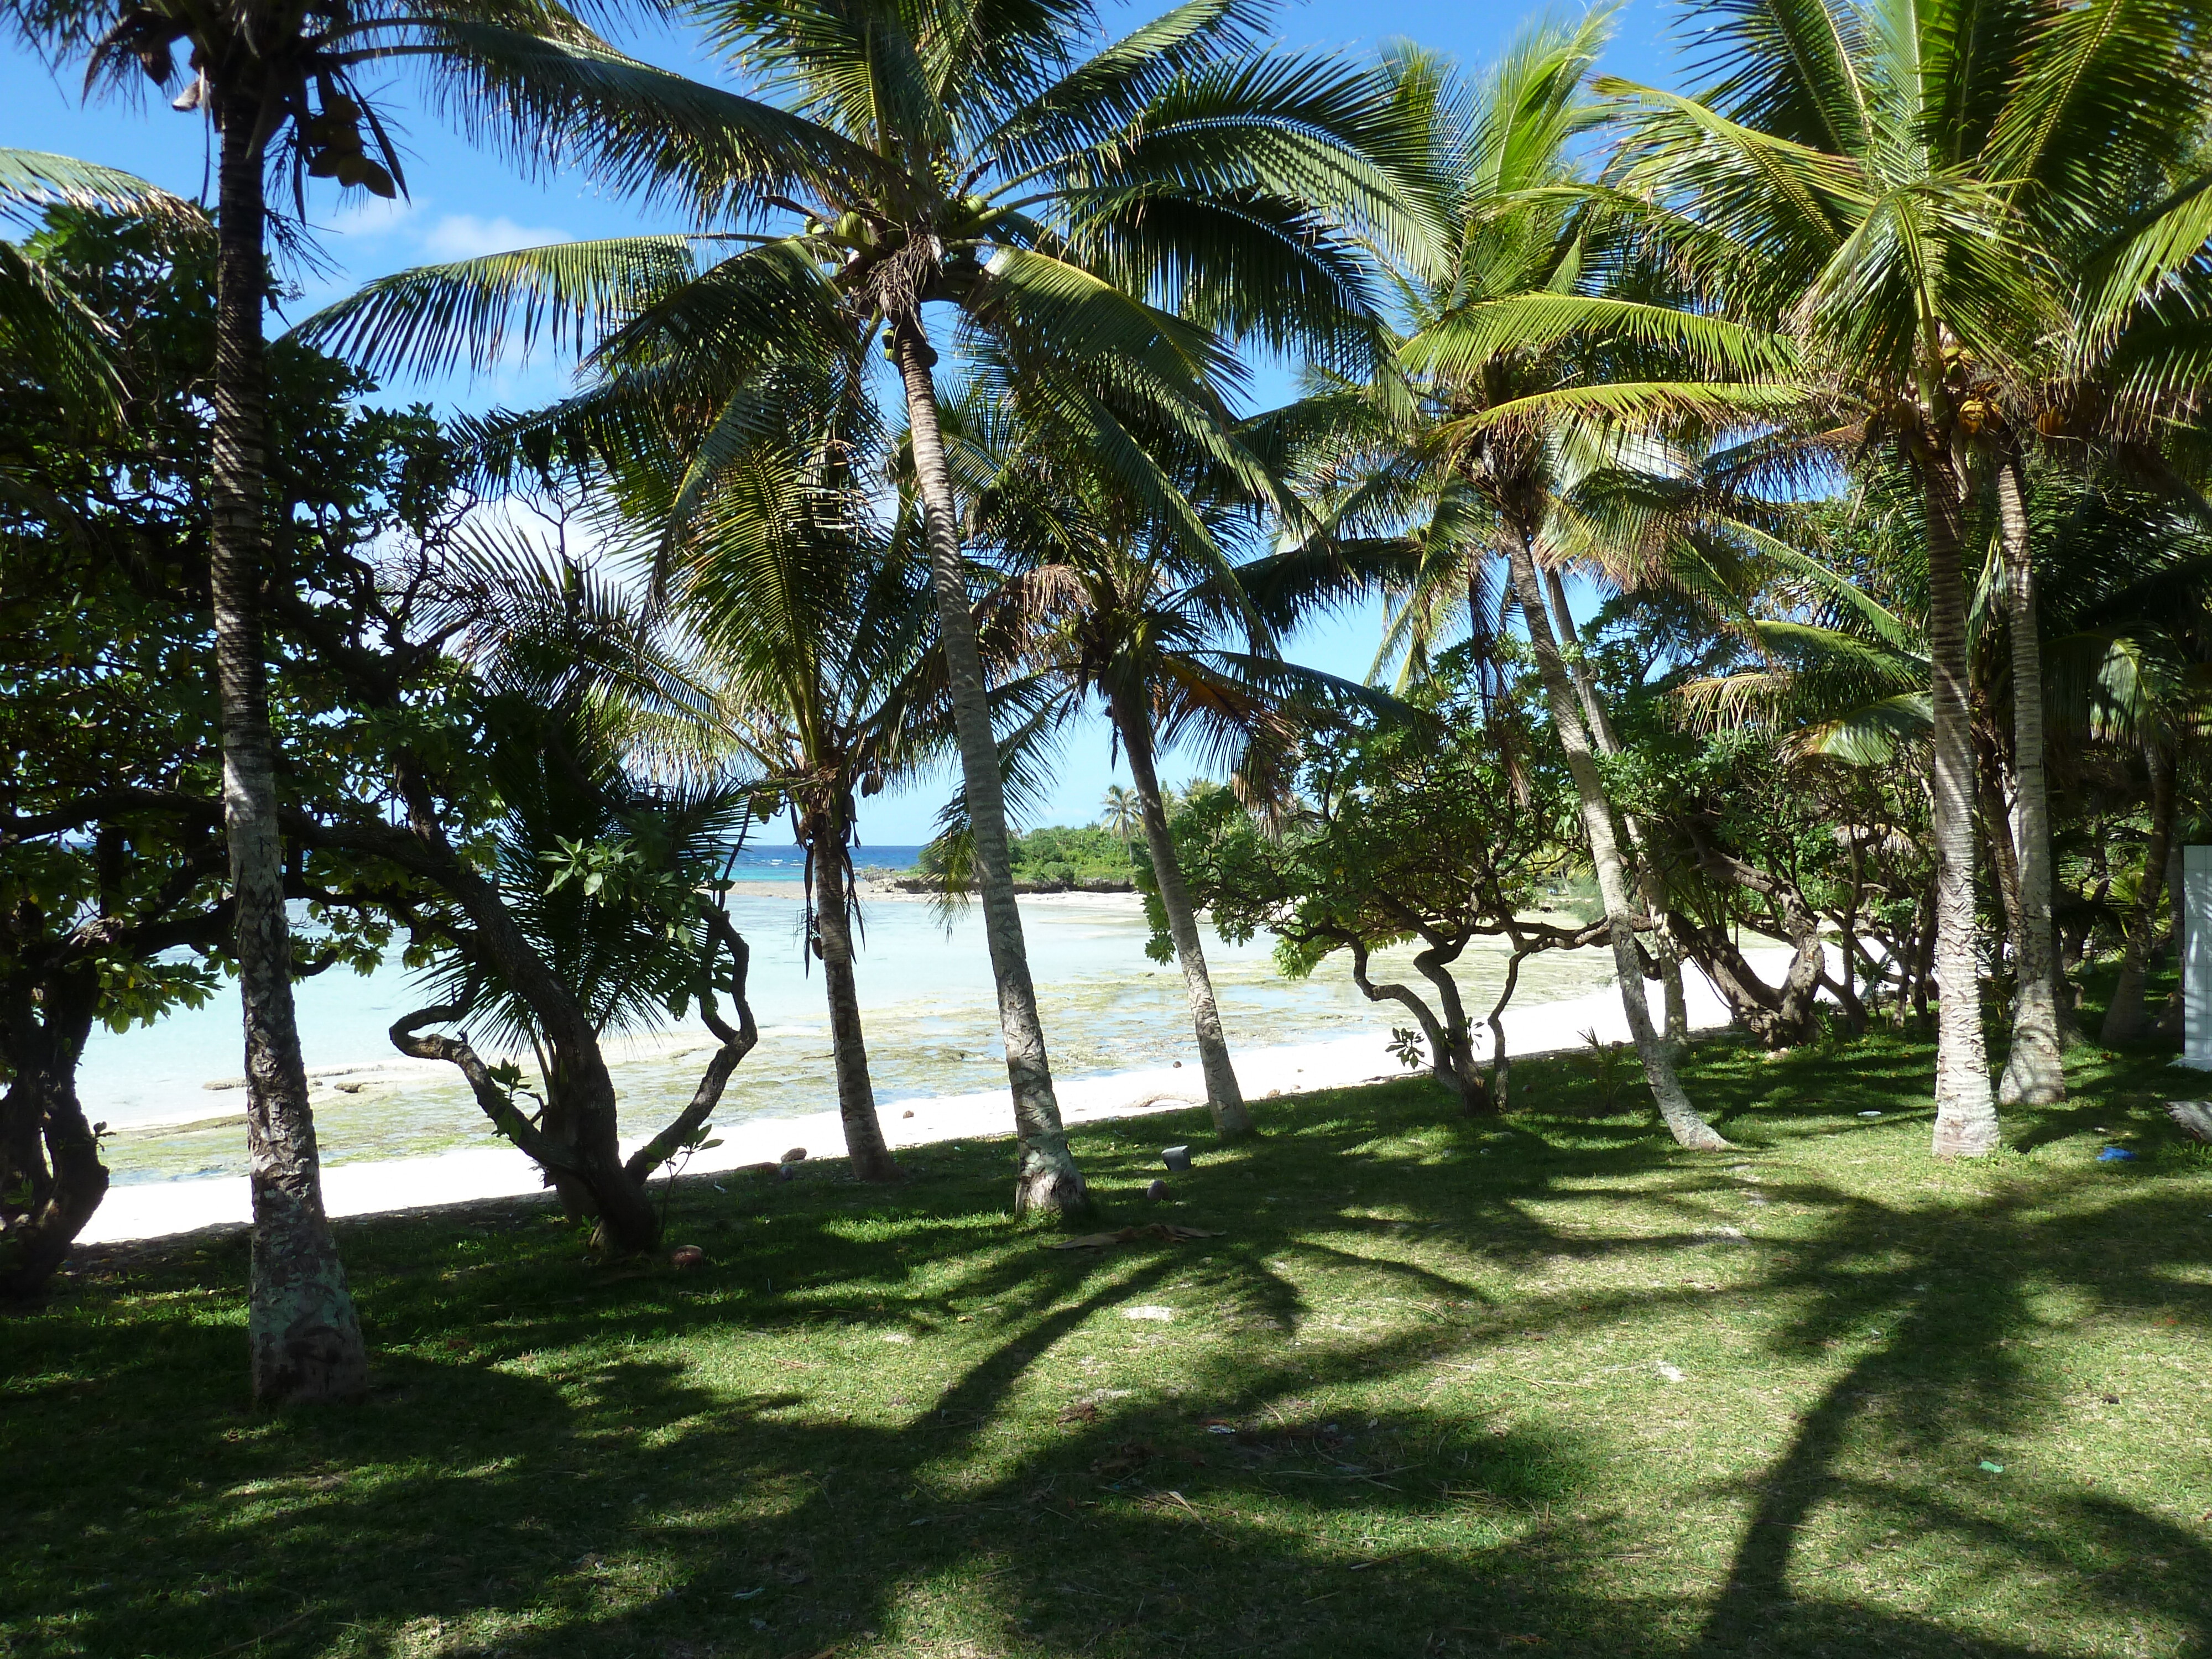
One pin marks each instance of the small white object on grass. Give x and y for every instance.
(1869, 1114)
(1149, 1311)
(1672, 1373)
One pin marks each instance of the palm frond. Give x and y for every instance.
(477, 312)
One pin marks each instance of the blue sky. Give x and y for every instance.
(463, 201)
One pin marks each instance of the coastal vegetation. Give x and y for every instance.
(1779, 503)
(1054, 858)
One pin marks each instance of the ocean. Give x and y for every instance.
(926, 1000)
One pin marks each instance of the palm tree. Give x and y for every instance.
(818, 631)
(1122, 813)
(1876, 172)
(1144, 611)
(1526, 364)
(923, 154)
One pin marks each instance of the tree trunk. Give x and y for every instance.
(1224, 1098)
(856, 1095)
(1779, 1019)
(1997, 825)
(2177, 899)
(1501, 1063)
(1923, 957)
(1046, 1179)
(1965, 1114)
(1847, 927)
(2127, 1018)
(303, 1333)
(1666, 947)
(2172, 1020)
(49, 1153)
(1682, 1120)
(2035, 1069)
(573, 1140)
(1451, 1045)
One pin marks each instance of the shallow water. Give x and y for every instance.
(931, 1021)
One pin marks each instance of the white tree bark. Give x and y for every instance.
(1047, 1179)
(2035, 1069)
(1965, 1113)
(1688, 1129)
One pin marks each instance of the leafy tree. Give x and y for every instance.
(276, 80)
(583, 914)
(2125, 579)
(1407, 831)
(558, 848)
(98, 902)
(1840, 671)
(111, 852)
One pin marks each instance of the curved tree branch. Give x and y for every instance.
(735, 1045)
(498, 1105)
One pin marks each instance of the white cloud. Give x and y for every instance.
(465, 236)
(371, 216)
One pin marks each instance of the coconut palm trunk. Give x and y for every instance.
(833, 923)
(1682, 1120)
(1047, 1179)
(1965, 1114)
(1224, 1098)
(1665, 948)
(303, 1333)
(2035, 1069)
(2127, 1017)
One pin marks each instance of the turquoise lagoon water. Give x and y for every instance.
(926, 993)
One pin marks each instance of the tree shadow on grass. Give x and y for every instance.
(1942, 1377)
(486, 1499)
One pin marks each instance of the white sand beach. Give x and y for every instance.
(154, 1209)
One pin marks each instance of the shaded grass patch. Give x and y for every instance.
(1442, 1386)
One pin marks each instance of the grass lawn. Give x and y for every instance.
(1439, 1387)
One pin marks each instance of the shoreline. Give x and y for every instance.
(195, 1086)
(160, 1209)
